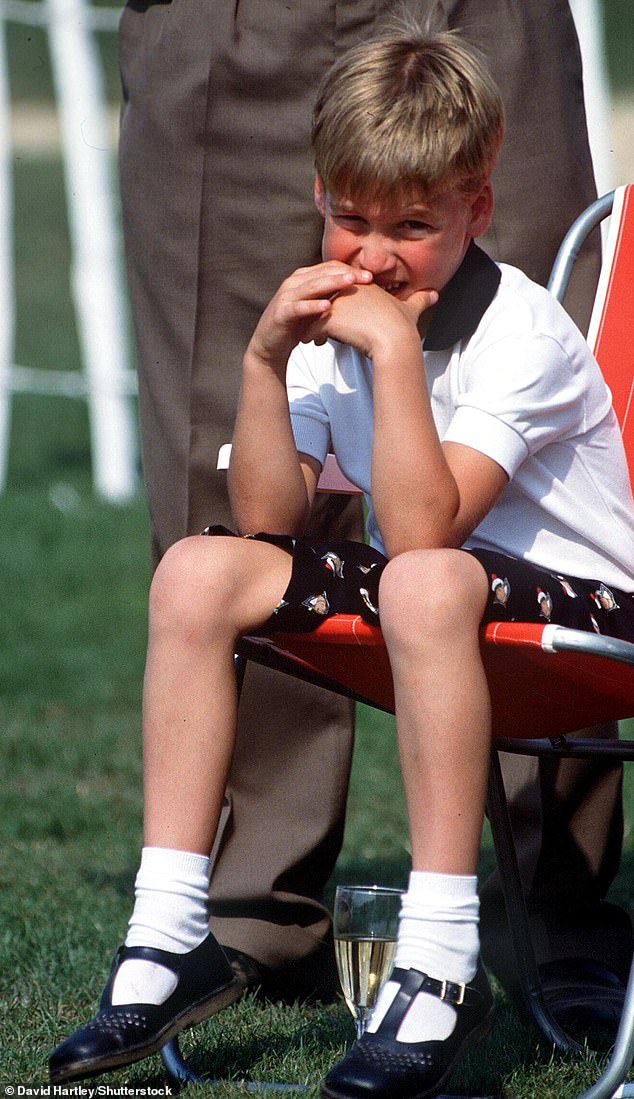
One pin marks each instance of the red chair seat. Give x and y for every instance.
(534, 691)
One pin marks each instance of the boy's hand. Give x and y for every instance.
(371, 319)
(304, 297)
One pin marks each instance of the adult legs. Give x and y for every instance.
(544, 177)
(567, 817)
(216, 186)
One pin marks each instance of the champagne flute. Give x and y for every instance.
(365, 923)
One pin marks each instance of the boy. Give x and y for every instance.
(491, 453)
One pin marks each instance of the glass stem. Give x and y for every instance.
(361, 1021)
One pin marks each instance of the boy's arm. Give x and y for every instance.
(427, 494)
(271, 486)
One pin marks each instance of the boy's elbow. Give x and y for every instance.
(394, 547)
(435, 534)
(273, 520)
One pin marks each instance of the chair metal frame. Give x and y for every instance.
(519, 651)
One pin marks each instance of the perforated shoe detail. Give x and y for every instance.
(107, 1022)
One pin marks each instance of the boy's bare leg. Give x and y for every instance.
(432, 603)
(205, 594)
(171, 972)
(437, 1001)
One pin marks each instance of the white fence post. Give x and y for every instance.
(105, 379)
(96, 282)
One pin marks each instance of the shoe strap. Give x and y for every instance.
(411, 982)
(191, 968)
(166, 958)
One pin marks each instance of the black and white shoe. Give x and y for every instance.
(379, 1067)
(119, 1035)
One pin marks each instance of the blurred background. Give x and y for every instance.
(62, 299)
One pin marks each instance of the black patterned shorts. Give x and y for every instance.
(336, 576)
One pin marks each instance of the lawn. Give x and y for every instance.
(75, 577)
(74, 629)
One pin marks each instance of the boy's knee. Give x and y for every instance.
(180, 588)
(426, 588)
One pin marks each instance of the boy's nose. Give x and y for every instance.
(376, 256)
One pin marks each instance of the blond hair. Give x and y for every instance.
(407, 114)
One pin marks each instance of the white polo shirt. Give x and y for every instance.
(510, 376)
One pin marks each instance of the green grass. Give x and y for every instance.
(42, 268)
(619, 43)
(30, 73)
(74, 618)
(74, 625)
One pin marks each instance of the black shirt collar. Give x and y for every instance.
(464, 300)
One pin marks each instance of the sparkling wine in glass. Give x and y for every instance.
(365, 922)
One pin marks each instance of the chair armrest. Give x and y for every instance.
(331, 479)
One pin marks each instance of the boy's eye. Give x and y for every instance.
(352, 221)
(413, 226)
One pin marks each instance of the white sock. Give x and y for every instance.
(170, 913)
(438, 935)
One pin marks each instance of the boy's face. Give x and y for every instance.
(418, 245)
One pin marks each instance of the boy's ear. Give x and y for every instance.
(482, 210)
(320, 196)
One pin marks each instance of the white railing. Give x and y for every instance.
(105, 380)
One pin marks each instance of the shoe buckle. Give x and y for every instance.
(453, 992)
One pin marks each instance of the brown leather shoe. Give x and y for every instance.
(312, 980)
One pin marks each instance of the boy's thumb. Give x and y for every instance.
(421, 300)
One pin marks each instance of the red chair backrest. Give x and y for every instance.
(611, 332)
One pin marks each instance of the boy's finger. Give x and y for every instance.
(421, 300)
(314, 330)
(327, 283)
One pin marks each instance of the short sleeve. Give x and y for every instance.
(521, 395)
(309, 418)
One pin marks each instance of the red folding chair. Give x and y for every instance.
(581, 679)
